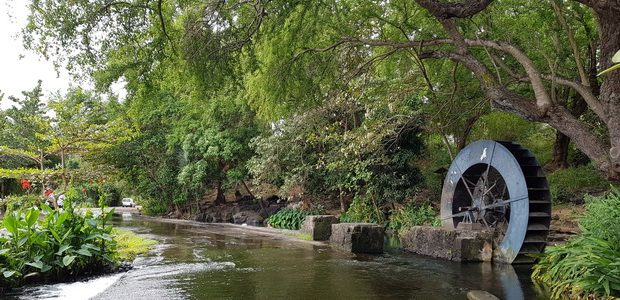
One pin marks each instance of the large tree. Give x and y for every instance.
(289, 55)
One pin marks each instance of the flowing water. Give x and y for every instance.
(223, 262)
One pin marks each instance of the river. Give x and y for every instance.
(219, 262)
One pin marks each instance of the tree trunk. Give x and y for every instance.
(219, 198)
(560, 152)
(260, 201)
(64, 169)
(42, 168)
(609, 22)
(467, 128)
(343, 204)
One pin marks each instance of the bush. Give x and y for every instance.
(587, 266)
(570, 185)
(363, 209)
(153, 207)
(61, 245)
(99, 194)
(292, 217)
(12, 203)
(603, 217)
(411, 215)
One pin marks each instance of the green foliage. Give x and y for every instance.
(57, 246)
(17, 202)
(570, 185)
(601, 219)
(401, 219)
(340, 150)
(363, 209)
(586, 266)
(292, 217)
(503, 126)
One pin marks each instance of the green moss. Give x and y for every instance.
(304, 236)
(130, 245)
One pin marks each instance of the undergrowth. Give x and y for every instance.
(587, 266)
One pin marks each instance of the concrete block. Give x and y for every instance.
(319, 227)
(455, 245)
(357, 237)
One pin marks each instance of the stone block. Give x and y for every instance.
(319, 227)
(455, 245)
(357, 237)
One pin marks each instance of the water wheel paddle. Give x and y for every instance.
(499, 186)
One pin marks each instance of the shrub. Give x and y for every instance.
(61, 245)
(411, 215)
(292, 217)
(603, 217)
(153, 207)
(570, 185)
(363, 209)
(13, 202)
(587, 266)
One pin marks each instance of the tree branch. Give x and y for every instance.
(447, 10)
(585, 92)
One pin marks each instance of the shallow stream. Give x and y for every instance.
(219, 262)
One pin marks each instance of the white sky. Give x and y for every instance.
(20, 69)
(21, 74)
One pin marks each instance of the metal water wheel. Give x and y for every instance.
(499, 186)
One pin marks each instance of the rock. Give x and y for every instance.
(272, 209)
(357, 237)
(480, 295)
(246, 199)
(455, 245)
(319, 227)
(125, 266)
(248, 217)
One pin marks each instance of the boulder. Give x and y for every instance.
(319, 227)
(357, 237)
(455, 245)
(248, 217)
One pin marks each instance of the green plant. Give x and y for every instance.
(363, 209)
(603, 216)
(587, 266)
(129, 245)
(60, 245)
(14, 202)
(292, 217)
(411, 215)
(570, 185)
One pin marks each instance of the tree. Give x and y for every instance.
(81, 126)
(291, 55)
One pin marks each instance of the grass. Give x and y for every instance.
(304, 236)
(130, 245)
(570, 185)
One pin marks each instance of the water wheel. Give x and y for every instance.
(499, 186)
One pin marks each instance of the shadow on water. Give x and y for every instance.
(215, 262)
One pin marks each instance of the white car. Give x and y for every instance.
(128, 202)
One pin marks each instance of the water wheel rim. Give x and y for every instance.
(491, 154)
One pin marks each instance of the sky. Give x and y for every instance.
(21, 69)
(21, 74)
